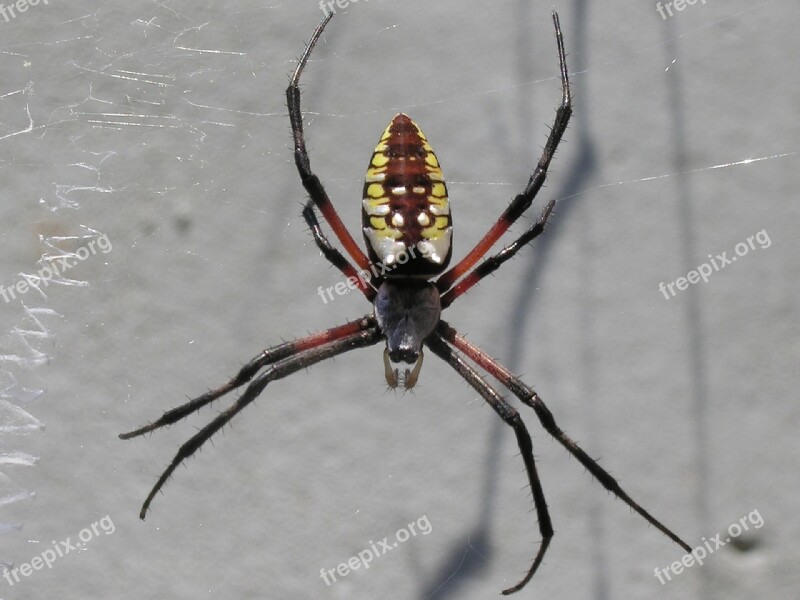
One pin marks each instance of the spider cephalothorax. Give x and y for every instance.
(407, 313)
(408, 231)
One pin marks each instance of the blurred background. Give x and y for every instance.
(148, 146)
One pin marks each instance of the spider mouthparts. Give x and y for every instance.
(409, 377)
(390, 373)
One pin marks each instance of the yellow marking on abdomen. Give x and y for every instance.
(375, 190)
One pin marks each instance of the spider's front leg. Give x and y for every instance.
(283, 360)
(248, 371)
(532, 399)
(511, 417)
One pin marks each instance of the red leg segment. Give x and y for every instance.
(311, 182)
(532, 399)
(521, 203)
(247, 372)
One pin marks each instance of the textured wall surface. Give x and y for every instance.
(162, 126)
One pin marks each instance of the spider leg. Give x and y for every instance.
(532, 399)
(311, 182)
(247, 372)
(522, 202)
(511, 418)
(280, 369)
(364, 280)
(492, 263)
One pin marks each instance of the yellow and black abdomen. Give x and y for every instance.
(405, 211)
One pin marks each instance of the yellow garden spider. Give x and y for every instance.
(407, 228)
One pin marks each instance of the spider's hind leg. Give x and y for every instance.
(311, 182)
(522, 201)
(365, 280)
(491, 264)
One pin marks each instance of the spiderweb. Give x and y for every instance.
(160, 127)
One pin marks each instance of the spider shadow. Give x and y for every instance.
(462, 565)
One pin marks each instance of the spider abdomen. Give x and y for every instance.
(405, 211)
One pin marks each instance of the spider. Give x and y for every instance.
(407, 228)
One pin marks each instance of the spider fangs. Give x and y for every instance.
(407, 228)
